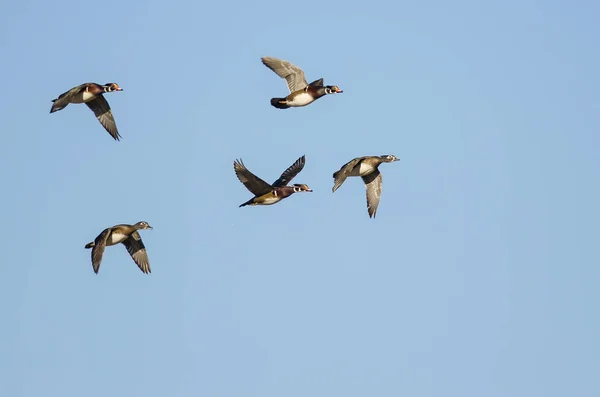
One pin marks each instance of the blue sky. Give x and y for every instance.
(477, 278)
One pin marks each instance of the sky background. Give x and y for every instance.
(479, 276)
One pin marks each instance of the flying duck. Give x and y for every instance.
(301, 93)
(265, 194)
(91, 95)
(127, 235)
(368, 169)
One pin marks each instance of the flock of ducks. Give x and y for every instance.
(301, 94)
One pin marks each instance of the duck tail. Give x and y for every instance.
(89, 245)
(249, 202)
(279, 103)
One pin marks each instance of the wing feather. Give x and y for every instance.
(373, 183)
(137, 250)
(290, 173)
(293, 75)
(340, 176)
(65, 98)
(98, 249)
(103, 113)
(254, 184)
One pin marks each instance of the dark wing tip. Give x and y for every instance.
(300, 162)
(239, 168)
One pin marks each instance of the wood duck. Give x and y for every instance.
(127, 235)
(265, 194)
(368, 169)
(301, 93)
(91, 95)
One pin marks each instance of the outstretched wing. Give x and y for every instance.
(137, 250)
(257, 186)
(290, 173)
(63, 99)
(373, 182)
(98, 249)
(317, 83)
(340, 176)
(101, 109)
(293, 75)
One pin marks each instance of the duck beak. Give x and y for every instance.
(149, 227)
(339, 91)
(309, 190)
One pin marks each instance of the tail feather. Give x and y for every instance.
(279, 103)
(89, 245)
(249, 202)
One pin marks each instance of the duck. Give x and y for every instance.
(269, 194)
(128, 236)
(301, 93)
(91, 95)
(367, 168)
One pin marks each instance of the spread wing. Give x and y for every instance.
(373, 182)
(290, 173)
(98, 249)
(317, 83)
(137, 250)
(63, 99)
(293, 75)
(75, 90)
(257, 186)
(104, 115)
(340, 176)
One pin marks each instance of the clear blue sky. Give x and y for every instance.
(479, 276)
